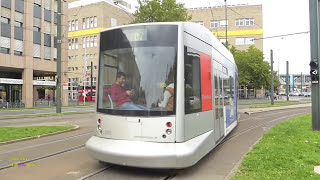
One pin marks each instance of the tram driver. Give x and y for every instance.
(121, 96)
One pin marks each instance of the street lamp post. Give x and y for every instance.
(225, 1)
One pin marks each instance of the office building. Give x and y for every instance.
(28, 52)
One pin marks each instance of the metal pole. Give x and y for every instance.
(301, 83)
(293, 83)
(85, 76)
(272, 86)
(287, 81)
(91, 79)
(226, 22)
(58, 106)
(314, 44)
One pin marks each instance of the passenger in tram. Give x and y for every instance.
(121, 96)
(168, 98)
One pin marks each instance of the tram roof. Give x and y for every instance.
(192, 28)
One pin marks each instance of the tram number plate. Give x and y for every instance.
(314, 82)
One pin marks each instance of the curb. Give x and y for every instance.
(235, 169)
(36, 137)
(258, 110)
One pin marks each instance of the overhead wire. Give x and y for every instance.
(276, 36)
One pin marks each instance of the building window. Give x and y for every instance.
(199, 22)
(95, 41)
(69, 25)
(17, 24)
(72, 25)
(17, 53)
(223, 23)
(88, 42)
(91, 22)
(214, 24)
(244, 41)
(84, 42)
(5, 20)
(76, 25)
(37, 10)
(218, 23)
(223, 40)
(4, 50)
(88, 22)
(69, 44)
(245, 22)
(95, 21)
(91, 41)
(76, 43)
(113, 22)
(73, 43)
(37, 29)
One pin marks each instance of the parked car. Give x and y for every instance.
(307, 94)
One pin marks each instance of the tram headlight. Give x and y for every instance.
(99, 128)
(168, 131)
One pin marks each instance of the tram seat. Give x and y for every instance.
(111, 102)
(108, 97)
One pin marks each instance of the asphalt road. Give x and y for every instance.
(64, 157)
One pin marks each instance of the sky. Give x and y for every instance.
(280, 17)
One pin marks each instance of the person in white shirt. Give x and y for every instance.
(168, 98)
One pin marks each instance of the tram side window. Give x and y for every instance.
(108, 70)
(192, 81)
(232, 100)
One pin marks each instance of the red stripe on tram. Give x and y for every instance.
(206, 84)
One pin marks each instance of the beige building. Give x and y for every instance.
(86, 20)
(28, 50)
(244, 24)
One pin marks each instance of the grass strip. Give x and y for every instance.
(290, 150)
(277, 104)
(41, 115)
(13, 133)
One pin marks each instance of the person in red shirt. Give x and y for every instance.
(121, 96)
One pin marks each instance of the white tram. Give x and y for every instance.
(188, 58)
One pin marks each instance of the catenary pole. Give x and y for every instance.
(272, 86)
(58, 89)
(225, 1)
(314, 44)
(287, 81)
(91, 79)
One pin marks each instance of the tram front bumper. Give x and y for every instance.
(150, 154)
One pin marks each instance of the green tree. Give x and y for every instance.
(254, 72)
(160, 11)
(276, 82)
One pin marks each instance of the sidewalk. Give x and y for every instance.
(23, 112)
(257, 110)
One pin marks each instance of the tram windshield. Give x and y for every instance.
(137, 70)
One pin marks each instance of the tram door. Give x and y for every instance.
(218, 122)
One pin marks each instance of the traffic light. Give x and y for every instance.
(314, 72)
